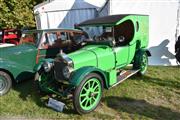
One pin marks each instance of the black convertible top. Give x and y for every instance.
(106, 20)
(112, 19)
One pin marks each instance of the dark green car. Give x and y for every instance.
(17, 62)
(102, 63)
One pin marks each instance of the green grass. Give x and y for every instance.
(153, 96)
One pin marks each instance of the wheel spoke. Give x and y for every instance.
(84, 88)
(90, 100)
(85, 99)
(92, 84)
(97, 92)
(94, 98)
(95, 87)
(82, 95)
(2, 84)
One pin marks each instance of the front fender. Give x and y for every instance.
(38, 66)
(79, 75)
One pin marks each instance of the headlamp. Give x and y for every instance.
(47, 66)
(67, 71)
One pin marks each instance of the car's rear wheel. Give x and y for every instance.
(5, 83)
(141, 63)
(88, 94)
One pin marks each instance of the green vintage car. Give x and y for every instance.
(17, 63)
(102, 63)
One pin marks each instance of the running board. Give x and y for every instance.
(124, 75)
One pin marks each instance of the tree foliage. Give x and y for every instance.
(17, 13)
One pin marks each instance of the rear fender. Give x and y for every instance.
(142, 51)
(148, 53)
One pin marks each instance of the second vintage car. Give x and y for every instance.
(17, 62)
(102, 63)
(10, 36)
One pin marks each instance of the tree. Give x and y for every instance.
(17, 13)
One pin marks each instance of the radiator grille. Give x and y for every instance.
(58, 67)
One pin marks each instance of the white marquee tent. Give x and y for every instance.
(163, 16)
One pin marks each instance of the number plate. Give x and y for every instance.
(57, 105)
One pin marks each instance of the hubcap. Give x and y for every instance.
(3, 83)
(90, 94)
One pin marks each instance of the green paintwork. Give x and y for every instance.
(92, 56)
(83, 71)
(90, 94)
(19, 61)
(112, 77)
(109, 59)
(105, 59)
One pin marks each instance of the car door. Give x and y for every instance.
(122, 54)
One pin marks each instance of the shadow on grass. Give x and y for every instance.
(24, 88)
(28, 90)
(141, 107)
(161, 82)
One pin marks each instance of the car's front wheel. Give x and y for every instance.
(41, 80)
(88, 94)
(5, 83)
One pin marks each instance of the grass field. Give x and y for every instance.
(153, 96)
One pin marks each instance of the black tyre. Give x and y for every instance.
(88, 94)
(141, 63)
(5, 83)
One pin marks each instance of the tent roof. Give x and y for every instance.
(60, 5)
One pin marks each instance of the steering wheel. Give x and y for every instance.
(121, 39)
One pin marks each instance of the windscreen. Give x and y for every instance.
(30, 38)
(99, 33)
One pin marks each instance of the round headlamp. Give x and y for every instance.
(67, 71)
(47, 66)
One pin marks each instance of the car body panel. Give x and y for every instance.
(94, 55)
